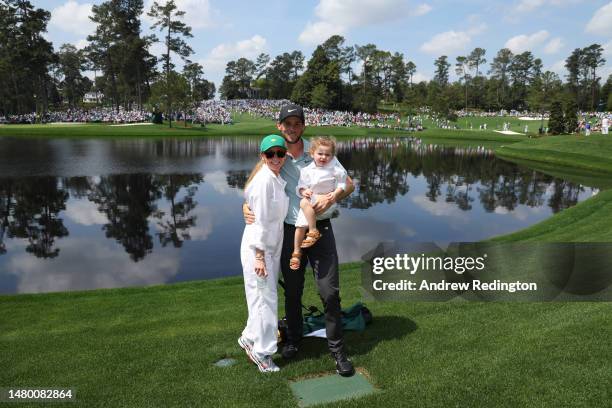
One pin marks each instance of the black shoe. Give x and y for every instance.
(344, 367)
(289, 351)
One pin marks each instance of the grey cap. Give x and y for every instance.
(291, 110)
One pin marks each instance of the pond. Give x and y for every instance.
(104, 213)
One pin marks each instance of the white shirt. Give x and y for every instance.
(322, 180)
(266, 197)
(605, 122)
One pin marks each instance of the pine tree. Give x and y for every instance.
(556, 123)
(571, 117)
(167, 19)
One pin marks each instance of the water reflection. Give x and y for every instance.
(158, 220)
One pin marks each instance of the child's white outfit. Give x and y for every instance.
(266, 197)
(321, 180)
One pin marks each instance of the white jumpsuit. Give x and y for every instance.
(266, 197)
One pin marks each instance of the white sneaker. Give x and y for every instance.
(265, 363)
(246, 344)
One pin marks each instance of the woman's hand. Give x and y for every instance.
(260, 268)
(249, 216)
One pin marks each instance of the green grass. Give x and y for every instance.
(493, 123)
(155, 347)
(593, 153)
(589, 221)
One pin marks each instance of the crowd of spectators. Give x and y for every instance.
(96, 115)
(212, 111)
(218, 112)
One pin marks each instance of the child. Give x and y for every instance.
(325, 175)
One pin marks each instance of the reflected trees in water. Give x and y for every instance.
(31, 211)
(128, 200)
(174, 227)
(383, 175)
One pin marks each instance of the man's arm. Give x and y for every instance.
(327, 200)
(249, 216)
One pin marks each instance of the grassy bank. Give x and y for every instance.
(589, 221)
(593, 153)
(155, 347)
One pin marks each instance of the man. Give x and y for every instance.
(322, 256)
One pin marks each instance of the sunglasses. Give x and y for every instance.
(279, 153)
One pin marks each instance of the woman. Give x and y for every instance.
(260, 252)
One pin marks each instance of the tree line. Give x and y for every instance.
(34, 77)
(329, 80)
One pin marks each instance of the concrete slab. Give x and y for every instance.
(226, 362)
(330, 388)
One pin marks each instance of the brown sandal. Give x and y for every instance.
(295, 261)
(311, 238)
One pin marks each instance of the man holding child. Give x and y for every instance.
(322, 255)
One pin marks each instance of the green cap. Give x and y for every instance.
(272, 141)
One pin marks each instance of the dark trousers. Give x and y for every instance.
(323, 258)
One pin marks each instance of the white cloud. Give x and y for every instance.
(554, 46)
(524, 42)
(601, 22)
(158, 49)
(607, 48)
(529, 5)
(218, 181)
(419, 77)
(421, 10)
(559, 68)
(446, 43)
(441, 208)
(82, 43)
(73, 17)
(219, 56)
(107, 267)
(316, 33)
(525, 6)
(198, 13)
(215, 61)
(452, 41)
(85, 212)
(339, 16)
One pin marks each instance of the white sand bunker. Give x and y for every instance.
(529, 118)
(134, 124)
(508, 132)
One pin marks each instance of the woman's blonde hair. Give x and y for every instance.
(328, 141)
(257, 167)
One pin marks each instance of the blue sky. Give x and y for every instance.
(422, 30)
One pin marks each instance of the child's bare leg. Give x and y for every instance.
(300, 232)
(294, 262)
(309, 212)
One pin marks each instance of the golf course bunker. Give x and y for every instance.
(330, 388)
